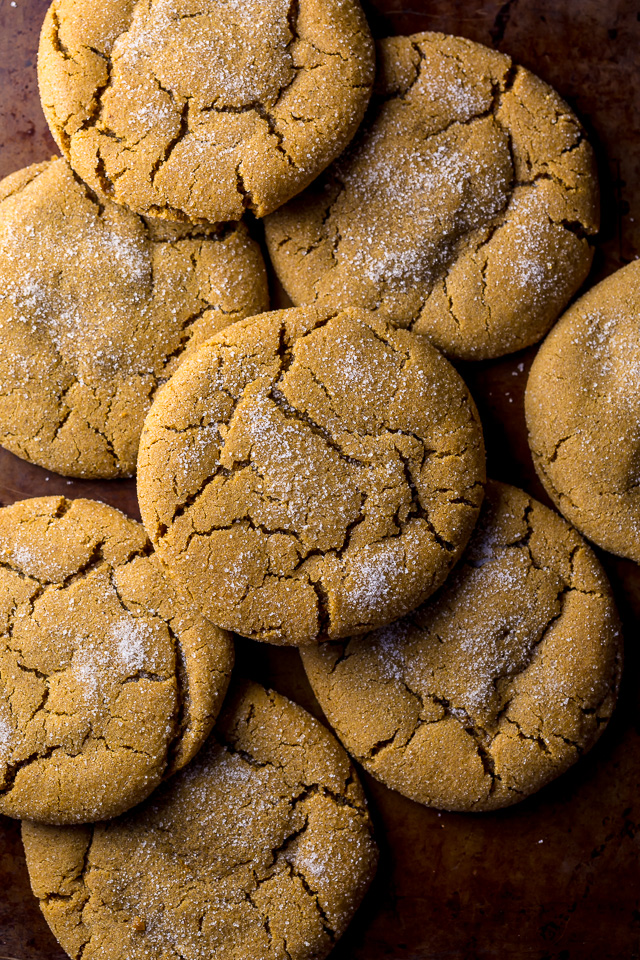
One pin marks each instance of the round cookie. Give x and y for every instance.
(495, 686)
(311, 473)
(462, 209)
(97, 309)
(187, 111)
(109, 680)
(583, 413)
(262, 848)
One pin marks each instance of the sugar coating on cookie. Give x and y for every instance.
(109, 680)
(201, 110)
(311, 473)
(497, 685)
(97, 308)
(462, 209)
(583, 413)
(262, 847)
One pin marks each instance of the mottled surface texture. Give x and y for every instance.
(311, 473)
(490, 690)
(152, 101)
(583, 413)
(110, 679)
(462, 210)
(97, 308)
(554, 877)
(262, 848)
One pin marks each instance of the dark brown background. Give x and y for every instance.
(556, 877)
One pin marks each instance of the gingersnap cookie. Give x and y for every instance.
(583, 413)
(97, 308)
(462, 210)
(203, 112)
(109, 680)
(497, 685)
(261, 848)
(311, 473)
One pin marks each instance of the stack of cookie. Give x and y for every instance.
(313, 476)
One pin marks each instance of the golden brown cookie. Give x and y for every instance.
(461, 211)
(498, 684)
(200, 111)
(311, 473)
(261, 849)
(583, 413)
(97, 309)
(109, 680)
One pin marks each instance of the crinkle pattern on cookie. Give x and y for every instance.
(192, 109)
(97, 309)
(311, 473)
(583, 413)
(109, 681)
(497, 685)
(462, 209)
(262, 848)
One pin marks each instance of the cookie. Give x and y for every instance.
(109, 680)
(201, 112)
(97, 309)
(463, 209)
(583, 413)
(311, 473)
(495, 686)
(262, 848)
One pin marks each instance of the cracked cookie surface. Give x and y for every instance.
(462, 210)
(311, 473)
(109, 681)
(495, 686)
(262, 847)
(583, 413)
(200, 109)
(97, 308)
